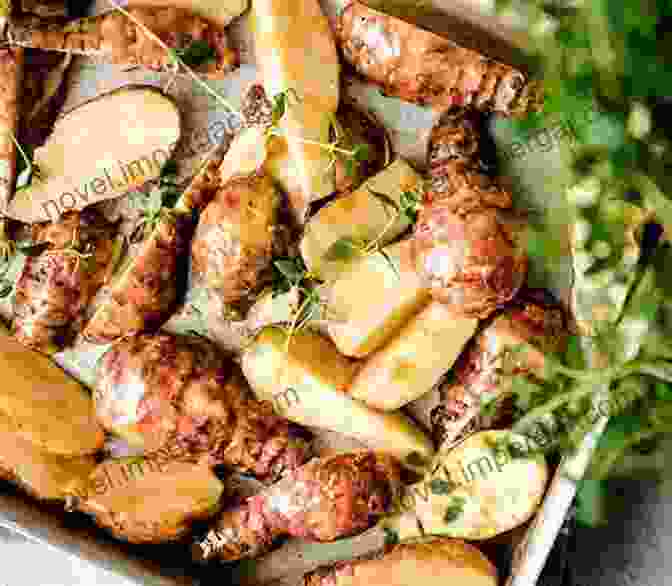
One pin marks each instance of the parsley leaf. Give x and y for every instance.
(197, 53)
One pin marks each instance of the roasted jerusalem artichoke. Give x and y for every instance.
(479, 372)
(55, 287)
(421, 67)
(115, 38)
(234, 241)
(324, 500)
(178, 396)
(467, 243)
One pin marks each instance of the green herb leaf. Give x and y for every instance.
(391, 537)
(441, 486)
(455, 509)
(343, 249)
(196, 53)
(361, 152)
(6, 287)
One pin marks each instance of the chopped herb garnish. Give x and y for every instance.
(441, 486)
(455, 509)
(196, 53)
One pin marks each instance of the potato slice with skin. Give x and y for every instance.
(474, 491)
(84, 161)
(431, 563)
(148, 501)
(41, 474)
(48, 408)
(307, 383)
(413, 362)
(372, 301)
(282, 31)
(359, 215)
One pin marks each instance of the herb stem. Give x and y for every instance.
(332, 148)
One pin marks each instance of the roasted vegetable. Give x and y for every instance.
(324, 500)
(514, 344)
(221, 13)
(116, 38)
(374, 298)
(414, 361)
(75, 171)
(282, 31)
(476, 490)
(11, 62)
(430, 563)
(54, 289)
(467, 244)
(373, 212)
(144, 291)
(180, 397)
(419, 66)
(142, 500)
(44, 475)
(234, 241)
(45, 405)
(307, 381)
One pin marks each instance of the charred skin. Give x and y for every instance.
(188, 403)
(325, 500)
(478, 375)
(467, 241)
(234, 241)
(421, 67)
(54, 288)
(144, 297)
(121, 41)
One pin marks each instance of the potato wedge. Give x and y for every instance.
(307, 383)
(372, 300)
(475, 491)
(149, 501)
(414, 361)
(41, 474)
(79, 168)
(431, 563)
(282, 31)
(48, 408)
(361, 215)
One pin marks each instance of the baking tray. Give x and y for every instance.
(538, 172)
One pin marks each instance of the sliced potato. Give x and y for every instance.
(372, 300)
(474, 490)
(307, 382)
(149, 501)
(91, 156)
(282, 31)
(48, 408)
(361, 216)
(45, 476)
(413, 362)
(430, 563)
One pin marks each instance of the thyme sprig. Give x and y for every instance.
(290, 97)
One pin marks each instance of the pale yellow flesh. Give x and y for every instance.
(414, 361)
(370, 303)
(47, 476)
(92, 156)
(436, 562)
(49, 408)
(500, 493)
(360, 216)
(282, 32)
(246, 154)
(319, 377)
